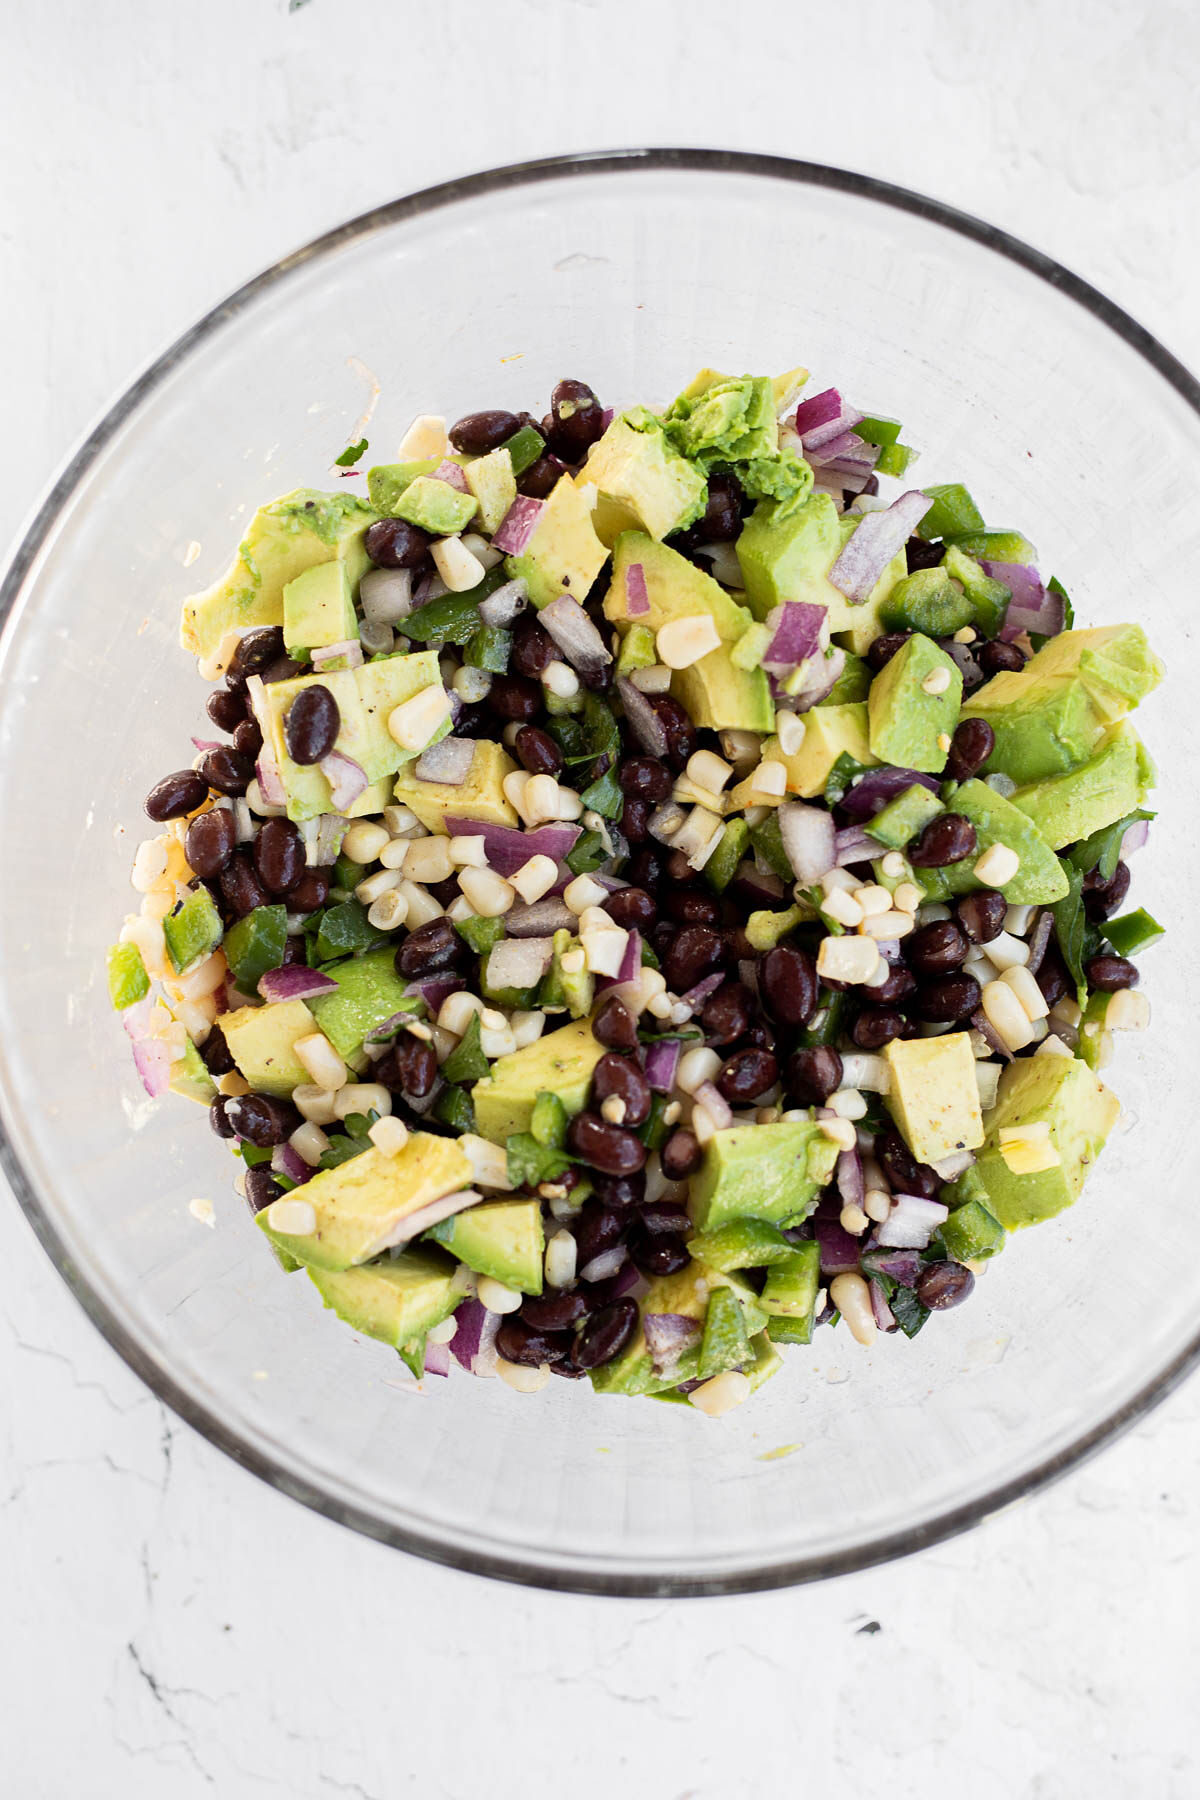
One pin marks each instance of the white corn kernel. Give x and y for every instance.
(561, 680)
(458, 567)
(472, 685)
(489, 1164)
(583, 892)
(604, 951)
(612, 1109)
(197, 1017)
(560, 1260)
(421, 904)
(852, 959)
(535, 878)
(292, 1218)
(428, 860)
(843, 907)
(838, 880)
(389, 1135)
(1066, 1011)
(1127, 1010)
(399, 819)
(907, 897)
(1005, 952)
(888, 926)
(654, 680)
(877, 1204)
(848, 1103)
(594, 918)
(205, 978)
(840, 1132)
(873, 899)
(497, 1297)
(852, 1298)
(382, 882)
(364, 840)
(742, 747)
(443, 1333)
(570, 805)
(457, 1011)
(1006, 1015)
(770, 777)
(413, 723)
(1018, 919)
(513, 787)
(468, 851)
(521, 1377)
(541, 799)
(860, 1069)
(497, 1042)
(361, 1097)
(720, 1393)
(572, 962)
(997, 866)
(318, 1056)
(894, 864)
(1052, 1045)
(482, 547)
(159, 902)
(425, 437)
(708, 770)
(389, 912)
(682, 642)
(488, 892)
(854, 1220)
(526, 1027)
(936, 682)
(309, 1142)
(790, 730)
(149, 864)
(1023, 985)
(695, 1068)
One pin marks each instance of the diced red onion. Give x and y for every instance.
(518, 525)
(637, 600)
(469, 1319)
(604, 1265)
(956, 1164)
(206, 743)
(287, 1161)
(426, 1216)
(433, 992)
(876, 539)
(642, 720)
(871, 793)
(430, 587)
(437, 1359)
(903, 1266)
(519, 962)
(885, 1318)
(631, 962)
(346, 779)
(1135, 837)
(295, 982)
(386, 595)
(351, 650)
(668, 1336)
(451, 473)
(911, 1222)
(505, 605)
(715, 1105)
(850, 1178)
(151, 1055)
(987, 1031)
(703, 990)
(819, 420)
(540, 919)
(448, 761)
(391, 1027)
(809, 840)
(846, 452)
(854, 846)
(1033, 607)
(1039, 939)
(797, 626)
(823, 673)
(662, 1060)
(575, 635)
(508, 849)
(331, 829)
(839, 1251)
(270, 782)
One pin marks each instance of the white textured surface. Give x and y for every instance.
(174, 1629)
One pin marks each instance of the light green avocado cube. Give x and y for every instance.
(913, 705)
(501, 1238)
(725, 418)
(1063, 1093)
(563, 555)
(284, 539)
(361, 1206)
(561, 1062)
(788, 554)
(308, 792)
(491, 480)
(905, 817)
(387, 481)
(369, 992)
(479, 797)
(1043, 724)
(190, 1078)
(771, 1172)
(645, 482)
(829, 732)
(262, 1040)
(934, 1096)
(1066, 808)
(1116, 662)
(395, 1300)
(128, 981)
(1039, 879)
(318, 609)
(193, 930)
(435, 506)
(382, 686)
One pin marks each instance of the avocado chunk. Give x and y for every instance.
(913, 706)
(934, 1096)
(971, 1233)
(480, 796)
(786, 554)
(1044, 724)
(1038, 881)
(563, 555)
(1116, 662)
(284, 539)
(501, 1238)
(128, 981)
(643, 479)
(1065, 808)
(771, 1172)
(308, 792)
(435, 506)
(1064, 1094)
(190, 1078)
(561, 1062)
(318, 609)
(724, 418)
(261, 1041)
(715, 692)
(686, 1294)
(829, 732)
(854, 682)
(192, 931)
(383, 685)
(361, 1205)
(493, 482)
(369, 992)
(387, 481)
(905, 817)
(396, 1300)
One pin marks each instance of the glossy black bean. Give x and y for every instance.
(262, 1120)
(218, 1117)
(533, 649)
(876, 1026)
(597, 1228)
(619, 1191)
(295, 946)
(395, 544)
(1052, 977)
(681, 1155)
(515, 697)
(609, 1148)
(311, 891)
(284, 668)
(695, 951)
(680, 732)
(241, 885)
(478, 433)
(605, 1334)
(941, 1285)
(947, 839)
(432, 946)
(972, 744)
(659, 1256)
(542, 477)
(746, 1075)
(646, 866)
(936, 948)
(256, 651)
(577, 421)
(538, 751)
(215, 1053)
(619, 1078)
(227, 770)
(759, 1036)
(614, 1025)
(311, 725)
(981, 915)
(632, 908)
(727, 1014)
(279, 855)
(787, 983)
(899, 984)
(555, 1311)
(261, 1188)
(1109, 974)
(210, 841)
(1000, 659)
(945, 999)
(644, 778)
(678, 871)
(722, 518)
(226, 707)
(1102, 898)
(691, 906)
(812, 1075)
(247, 739)
(518, 1342)
(176, 795)
(920, 555)
(905, 1174)
(884, 648)
(635, 820)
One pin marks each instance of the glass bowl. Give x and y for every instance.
(630, 270)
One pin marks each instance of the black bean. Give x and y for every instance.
(941, 1285)
(657, 1256)
(662, 936)
(678, 871)
(812, 1075)
(947, 839)
(972, 744)
(681, 1155)
(538, 751)
(694, 953)
(876, 1026)
(514, 697)
(606, 1147)
(936, 948)
(533, 649)
(899, 984)
(787, 982)
(618, 1077)
(175, 795)
(226, 707)
(555, 1311)
(644, 778)
(680, 732)
(240, 884)
(311, 726)
(227, 770)
(1052, 977)
(759, 1036)
(311, 891)
(635, 820)
(403, 1065)
(619, 1190)
(614, 1025)
(295, 946)
(691, 906)
(884, 648)
(1102, 898)
(247, 739)
(577, 421)
(210, 841)
(542, 477)
(395, 544)
(218, 1116)
(999, 659)
(261, 1188)
(597, 1228)
(904, 1172)
(279, 855)
(480, 432)
(722, 518)
(646, 866)
(728, 1013)
(432, 946)
(518, 1342)
(632, 908)
(262, 1120)
(920, 555)
(746, 1075)
(256, 651)
(284, 668)
(981, 915)
(606, 1334)
(947, 998)
(215, 1052)
(1111, 973)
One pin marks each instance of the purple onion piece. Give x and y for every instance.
(839, 1252)
(877, 538)
(662, 1060)
(995, 1043)
(850, 1178)
(643, 721)
(295, 982)
(1039, 939)
(518, 525)
(885, 1318)
(871, 793)
(508, 849)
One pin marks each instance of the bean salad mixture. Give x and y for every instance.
(654, 892)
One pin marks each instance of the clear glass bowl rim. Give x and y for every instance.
(22, 560)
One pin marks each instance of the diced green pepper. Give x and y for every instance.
(655, 1131)
(548, 1121)
(482, 934)
(726, 859)
(875, 429)
(852, 684)
(742, 1244)
(346, 931)
(588, 854)
(988, 597)
(637, 650)
(953, 511)
(905, 817)
(347, 874)
(926, 601)
(453, 618)
(726, 1342)
(1001, 545)
(128, 981)
(489, 648)
(255, 944)
(792, 1284)
(524, 447)
(454, 1108)
(894, 459)
(466, 1062)
(764, 929)
(971, 1234)
(767, 840)
(828, 1022)
(193, 930)
(1133, 932)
